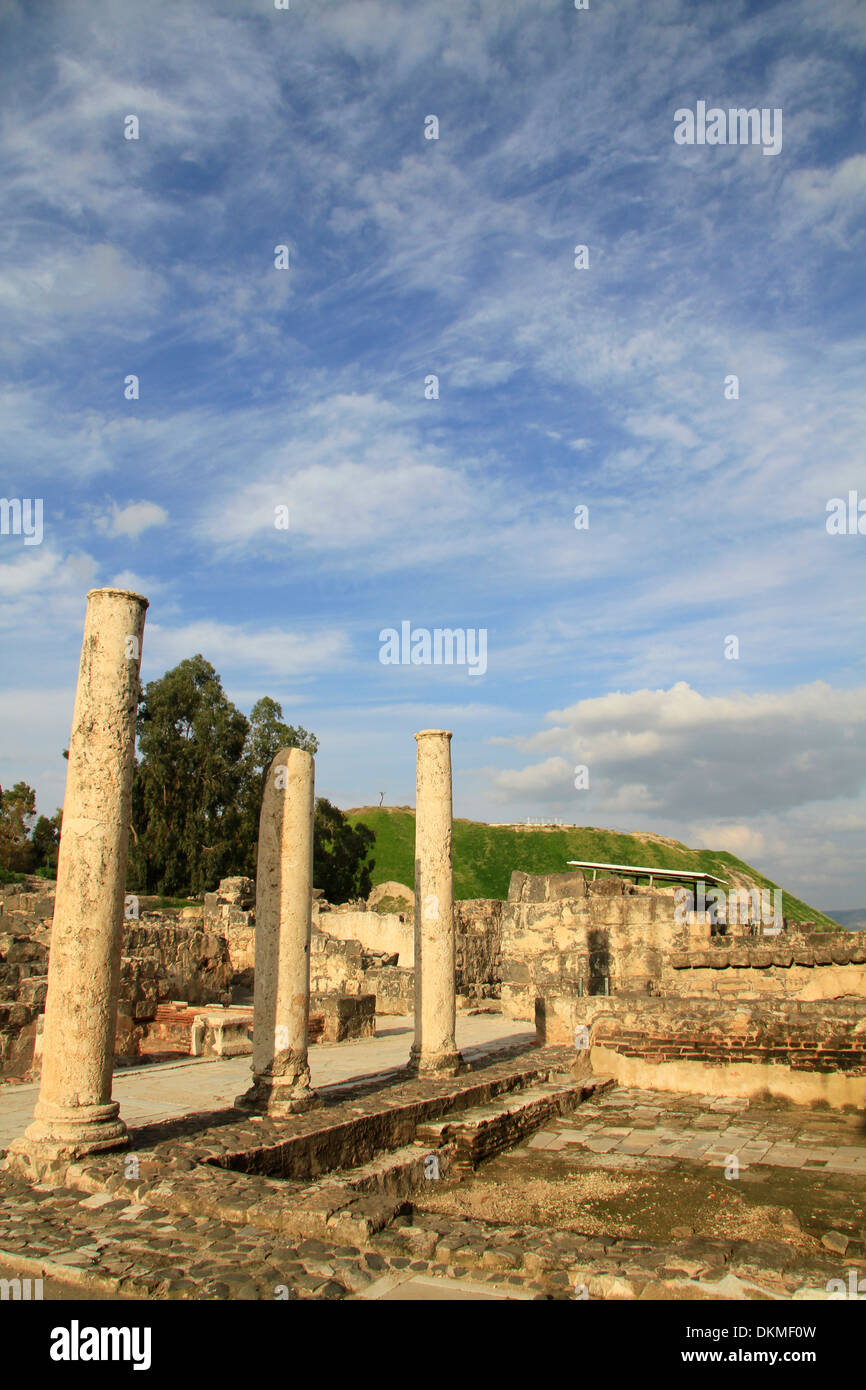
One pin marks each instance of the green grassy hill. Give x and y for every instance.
(485, 855)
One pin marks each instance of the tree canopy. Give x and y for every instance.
(339, 853)
(197, 790)
(28, 843)
(187, 811)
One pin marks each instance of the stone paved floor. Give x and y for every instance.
(114, 1246)
(641, 1166)
(165, 1090)
(712, 1130)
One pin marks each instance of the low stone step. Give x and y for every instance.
(485, 1130)
(396, 1174)
(596, 1085)
(346, 1169)
(327, 1140)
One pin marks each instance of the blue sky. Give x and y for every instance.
(558, 387)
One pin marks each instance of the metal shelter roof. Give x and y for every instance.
(695, 875)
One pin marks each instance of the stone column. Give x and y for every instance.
(75, 1113)
(434, 1051)
(284, 904)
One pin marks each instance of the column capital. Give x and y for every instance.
(119, 593)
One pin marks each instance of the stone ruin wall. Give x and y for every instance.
(166, 956)
(356, 950)
(565, 937)
(390, 932)
(560, 932)
(206, 956)
(806, 1052)
(478, 931)
(550, 952)
(607, 969)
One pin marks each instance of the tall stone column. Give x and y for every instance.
(284, 904)
(434, 1051)
(75, 1113)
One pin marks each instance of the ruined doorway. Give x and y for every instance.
(599, 962)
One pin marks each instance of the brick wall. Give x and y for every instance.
(800, 1050)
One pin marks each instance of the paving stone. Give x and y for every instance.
(836, 1241)
(544, 1140)
(74, 1258)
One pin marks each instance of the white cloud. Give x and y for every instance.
(742, 840)
(69, 289)
(43, 573)
(776, 778)
(762, 753)
(662, 429)
(235, 648)
(541, 779)
(134, 518)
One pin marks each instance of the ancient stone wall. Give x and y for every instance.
(561, 932)
(230, 913)
(388, 932)
(797, 966)
(339, 1018)
(478, 931)
(564, 936)
(166, 955)
(25, 932)
(192, 964)
(393, 987)
(345, 967)
(336, 967)
(356, 950)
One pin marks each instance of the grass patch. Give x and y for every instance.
(152, 904)
(393, 905)
(486, 855)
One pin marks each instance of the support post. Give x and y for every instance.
(75, 1114)
(434, 1051)
(284, 898)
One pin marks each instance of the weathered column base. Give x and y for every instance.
(271, 1095)
(435, 1063)
(68, 1132)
